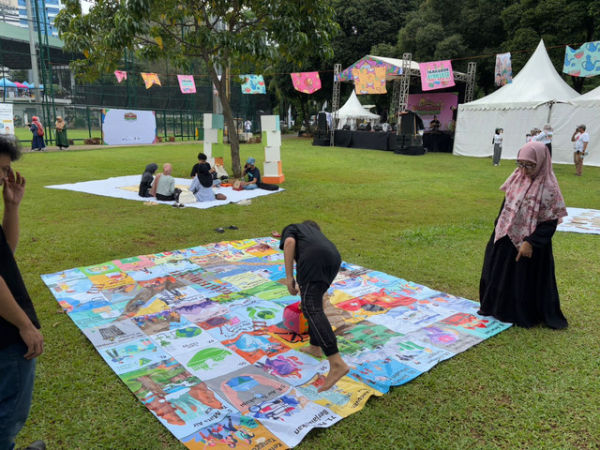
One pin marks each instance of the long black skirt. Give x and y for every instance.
(524, 292)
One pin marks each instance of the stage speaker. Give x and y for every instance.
(409, 144)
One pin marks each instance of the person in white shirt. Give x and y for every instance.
(580, 139)
(497, 141)
(545, 137)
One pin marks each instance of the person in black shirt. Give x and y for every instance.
(202, 167)
(20, 339)
(317, 264)
(252, 174)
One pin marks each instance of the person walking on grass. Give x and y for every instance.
(20, 339)
(62, 141)
(317, 264)
(37, 132)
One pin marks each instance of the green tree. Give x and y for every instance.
(227, 34)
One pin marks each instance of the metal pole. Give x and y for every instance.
(33, 53)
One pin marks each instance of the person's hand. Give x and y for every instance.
(33, 340)
(525, 250)
(14, 188)
(292, 286)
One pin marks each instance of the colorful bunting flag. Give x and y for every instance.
(436, 75)
(186, 84)
(503, 69)
(584, 61)
(306, 82)
(150, 79)
(121, 75)
(253, 84)
(369, 80)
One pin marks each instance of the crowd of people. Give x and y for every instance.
(517, 284)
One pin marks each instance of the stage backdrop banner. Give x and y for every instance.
(306, 82)
(584, 61)
(503, 69)
(429, 105)
(127, 127)
(186, 84)
(7, 125)
(436, 75)
(369, 80)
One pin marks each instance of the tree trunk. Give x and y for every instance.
(228, 115)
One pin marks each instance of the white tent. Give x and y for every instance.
(352, 111)
(530, 101)
(584, 110)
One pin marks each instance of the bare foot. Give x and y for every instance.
(312, 350)
(337, 370)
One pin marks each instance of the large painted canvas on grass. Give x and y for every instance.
(197, 335)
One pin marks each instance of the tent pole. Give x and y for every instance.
(404, 88)
(335, 101)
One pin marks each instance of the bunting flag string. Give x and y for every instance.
(306, 82)
(150, 79)
(503, 72)
(186, 84)
(121, 75)
(253, 84)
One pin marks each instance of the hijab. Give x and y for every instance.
(531, 199)
(151, 168)
(60, 123)
(36, 121)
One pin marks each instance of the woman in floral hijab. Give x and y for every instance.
(518, 283)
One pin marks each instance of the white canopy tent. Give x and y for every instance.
(353, 111)
(584, 110)
(536, 96)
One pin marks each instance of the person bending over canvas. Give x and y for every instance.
(20, 339)
(518, 283)
(147, 179)
(317, 264)
(163, 187)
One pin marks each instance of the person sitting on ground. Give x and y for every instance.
(252, 175)
(202, 162)
(163, 187)
(317, 264)
(147, 179)
(202, 184)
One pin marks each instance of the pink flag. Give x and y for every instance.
(186, 84)
(150, 79)
(307, 82)
(436, 75)
(121, 75)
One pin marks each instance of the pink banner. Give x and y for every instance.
(306, 82)
(429, 105)
(121, 75)
(150, 79)
(436, 75)
(186, 84)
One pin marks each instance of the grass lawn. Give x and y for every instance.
(426, 219)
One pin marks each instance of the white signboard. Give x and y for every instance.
(128, 127)
(7, 126)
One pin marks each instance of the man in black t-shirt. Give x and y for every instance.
(202, 167)
(317, 264)
(20, 339)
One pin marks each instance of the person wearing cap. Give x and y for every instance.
(252, 175)
(580, 139)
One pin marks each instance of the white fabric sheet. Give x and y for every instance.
(115, 187)
(581, 220)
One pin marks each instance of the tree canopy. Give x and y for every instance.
(235, 34)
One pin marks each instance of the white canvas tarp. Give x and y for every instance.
(537, 94)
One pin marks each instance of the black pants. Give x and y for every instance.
(319, 328)
(166, 198)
